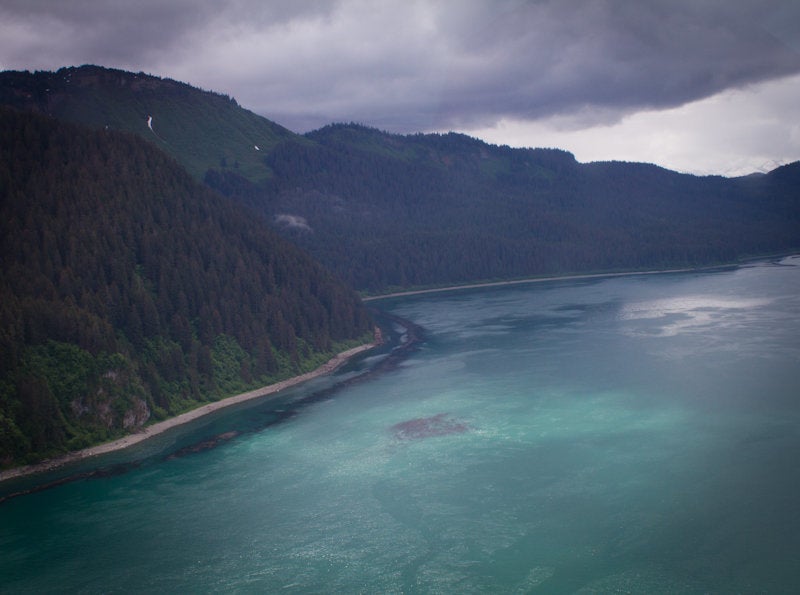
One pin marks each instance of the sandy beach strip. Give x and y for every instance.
(579, 277)
(157, 428)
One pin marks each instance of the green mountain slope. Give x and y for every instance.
(129, 292)
(199, 128)
(390, 211)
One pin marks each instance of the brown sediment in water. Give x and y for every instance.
(204, 445)
(427, 427)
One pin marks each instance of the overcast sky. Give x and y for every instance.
(705, 86)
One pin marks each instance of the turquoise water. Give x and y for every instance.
(635, 434)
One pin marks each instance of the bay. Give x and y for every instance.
(628, 434)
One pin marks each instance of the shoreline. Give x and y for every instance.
(147, 432)
(575, 277)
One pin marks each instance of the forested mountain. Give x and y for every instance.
(395, 211)
(200, 129)
(390, 211)
(130, 292)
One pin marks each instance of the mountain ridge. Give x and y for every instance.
(129, 292)
(47, 92)
(388, 211)
(199, 128)
(488, 212)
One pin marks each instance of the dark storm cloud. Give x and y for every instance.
(52, 33)
(534, 60)
(47, 34)
(410, 66)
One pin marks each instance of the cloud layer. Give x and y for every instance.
(410, 66)
(736, 132)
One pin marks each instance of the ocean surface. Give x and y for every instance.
(632, 434)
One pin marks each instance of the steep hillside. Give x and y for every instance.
(391, 211)
(129, 292)
(395, 211)
(200, 129)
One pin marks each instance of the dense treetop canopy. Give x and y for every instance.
(128, 290)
